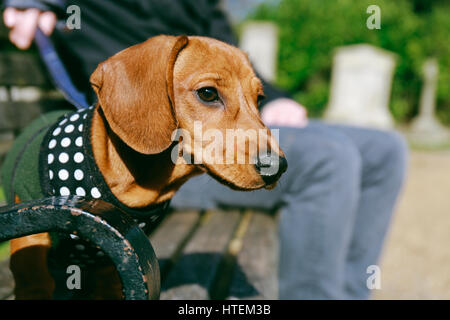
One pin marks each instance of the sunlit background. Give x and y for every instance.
(416, 259)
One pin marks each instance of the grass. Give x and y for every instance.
(4, 250)
(431, 148)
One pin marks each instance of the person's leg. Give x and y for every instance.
(319, 195)
(384, 157)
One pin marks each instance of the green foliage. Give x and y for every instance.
(310, 30)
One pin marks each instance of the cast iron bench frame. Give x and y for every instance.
(102, 225)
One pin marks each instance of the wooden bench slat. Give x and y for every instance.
(167, 238)
(255, 276)
(22, 69)
(14, 115)
(194, 274)
(6, 280)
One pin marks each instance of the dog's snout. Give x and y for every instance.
(283, 164)
(270, 167)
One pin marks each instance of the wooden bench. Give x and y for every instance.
(229, 254)
(217, 255)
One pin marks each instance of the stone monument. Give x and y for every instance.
(425, 128)
(361, 86)
(260, 41)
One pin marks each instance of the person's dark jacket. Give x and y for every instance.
(109, 26)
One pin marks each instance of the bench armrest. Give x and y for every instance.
(99, 222)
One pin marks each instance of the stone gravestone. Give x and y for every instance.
(361, 86)
(425, 128)
(260, 41)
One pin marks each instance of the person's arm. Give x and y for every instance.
(23, 17)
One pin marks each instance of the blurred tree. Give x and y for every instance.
(424, 6)
(311, 30)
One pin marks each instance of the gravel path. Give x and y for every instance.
(416, 259)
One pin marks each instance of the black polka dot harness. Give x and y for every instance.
(67, 167)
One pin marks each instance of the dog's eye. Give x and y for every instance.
(208, 94)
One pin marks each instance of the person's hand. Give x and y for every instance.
(24, 23)
(285, 113)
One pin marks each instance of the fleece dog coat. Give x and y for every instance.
(54, 158)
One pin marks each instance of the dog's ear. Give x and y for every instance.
(135, 92)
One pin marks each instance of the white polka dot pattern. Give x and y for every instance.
(63, 157)
(52, 144)
(69, 128)
(79, 142)
(66, 158)
(78, 175)
(80, 192)
(65, 142)
(78, 157)
(57, 131)
(95, 193)
(64, 191)
(63, 174)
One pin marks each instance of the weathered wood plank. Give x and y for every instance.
(22, 69)
(16, 115)
(6, 280)
(171, 234)
(255, 275)
(194, 273)
(19, 114)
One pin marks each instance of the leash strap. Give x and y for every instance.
(58, 72)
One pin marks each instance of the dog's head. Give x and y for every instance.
(201, 88)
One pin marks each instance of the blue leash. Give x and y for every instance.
(58, 72)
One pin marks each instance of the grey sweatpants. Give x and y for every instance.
(336, 199)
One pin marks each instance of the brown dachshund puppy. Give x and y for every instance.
(145, 94)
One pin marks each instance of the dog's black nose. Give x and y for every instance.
(270, 167)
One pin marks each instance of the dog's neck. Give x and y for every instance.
(137, 180)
